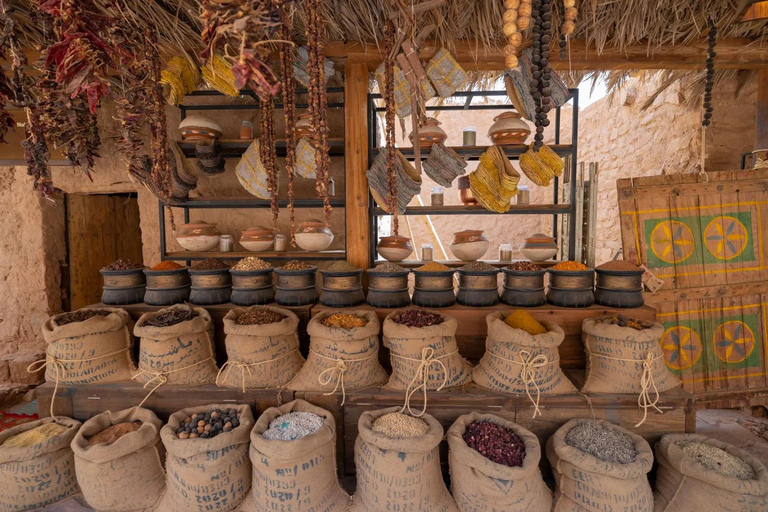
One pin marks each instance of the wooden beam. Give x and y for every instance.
(761, 111)
(356, 163)
(732, 53)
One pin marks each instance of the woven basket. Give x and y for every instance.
(251, 173)
(445, 73)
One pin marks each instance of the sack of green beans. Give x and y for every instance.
(120, 473)
(37, 466)
(397, 463)
(696, 473)
(479, 484)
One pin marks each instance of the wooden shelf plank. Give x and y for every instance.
(474, 152)
(266, 255)
(233, 148)
(251, 202)
(515, 209)
(457, 263)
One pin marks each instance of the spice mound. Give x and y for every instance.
(345, 321)
(570, 265)
(387, 267)
(495, 443)
(121, 264)
(417, 318)
(35, 436)
(259, 316)
(80, 315)
(718, 460)
(623, 321)
(172, 317)
(606, 444)
(521, 319)
(296, 265)
(433, 266)
(209, 264)
(111, 434)
(167, 265)
(619, 265)
(209, 424)
(528, 266)
(293, 426)
(478, 266)
(252, 263)
(342, 266)
(396, 425)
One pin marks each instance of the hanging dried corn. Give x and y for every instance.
(318, 105)
(287, 58)
(267, 153)
(389, 122)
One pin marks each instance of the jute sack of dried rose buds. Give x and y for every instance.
(481, 485)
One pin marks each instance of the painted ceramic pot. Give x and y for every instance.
(469, 245)
(257, 239)
(194, 128)
(198, 236)
(313, 235)
(466, 196)
(538, 247)
(508, 128)
(304, 127)
(394, 248)
(430, 133)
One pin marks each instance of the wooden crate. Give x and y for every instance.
(472, 327)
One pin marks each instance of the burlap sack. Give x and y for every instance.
(178, 355)
(341, 359)
(260, 356)
(295, 475)
(584, 483)
(480, 485)
(206, 474)
(684, 485)
(38, 475)
(399, 474)
(127, 474)
(95, 350)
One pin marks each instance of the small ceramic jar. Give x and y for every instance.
(430, 133)
(538, 247)
(197, 128)
(313, 235)
(198, 236)
(465, 192)
(257, 239)
(469, 245)
(394, 248)
(303, 127)
(508, 128)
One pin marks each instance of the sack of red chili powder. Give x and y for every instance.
(399, 474)
(480, 485)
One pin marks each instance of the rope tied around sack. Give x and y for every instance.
(243, 367)
(530, 363)
(647, 382)
(337, 371)
(422, 373)
(162, 377)
(58, 363)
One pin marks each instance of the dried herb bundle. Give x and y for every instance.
(389, 126)
(287, 58)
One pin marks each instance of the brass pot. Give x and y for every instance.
(466, 196)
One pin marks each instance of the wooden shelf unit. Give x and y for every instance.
(265, 255)
(457, 263)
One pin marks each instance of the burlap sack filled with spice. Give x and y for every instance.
(176, 355)
(207, 474)
(341, 359)
(260, 356)
(126, 474)
(97, 349)
(298, 474)
(585, 483)
(480, 485)
(399, 474)
(39, 474)
(445, 73)
(521, 363)
(685, 485)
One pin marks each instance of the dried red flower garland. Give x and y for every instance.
(268, 155)
(389, 123)
(287, 57)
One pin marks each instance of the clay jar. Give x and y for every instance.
(508, 128)
(394, 248)
(313, 235)
(304, 128)
(198, 236)
(198, 128)
(430, 133)
(465, 192)
(469, 245)
(538, 247)
(257, 239)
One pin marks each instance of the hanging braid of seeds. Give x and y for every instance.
(318, 104)
(161, 170)
(267, 152)
(389, 126)
(710, 81)
(287, 57)
(541, 71)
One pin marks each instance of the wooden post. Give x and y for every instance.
(761, 107)
(356, 163)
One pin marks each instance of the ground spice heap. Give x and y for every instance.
(570, 265)
(209, 264)
(520, 319)
(417, 318)
(167, 265)
(396, 425)
(209, 424)
(35, 436)
(80, 315)
(293, 426)
(259, 316)
(495, 443)
(111, 434)
(296, 265)
(433, 266)
(387, 267)
(606, 444)
(623, 321)
(527, 266)
(342, 266)
(173, 316)
(478, 266)
(718, 460)
(252, 263)
(121, 264)
(345, 321)
(619, 265)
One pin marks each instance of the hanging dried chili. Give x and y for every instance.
(287, 57)
(389, 122)
(267, 153)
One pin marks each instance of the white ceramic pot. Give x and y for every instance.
(394, 254)
(199, 128)
(538, 254)
(314, 241)
(198, 236)
(470, 251)
(257, 245)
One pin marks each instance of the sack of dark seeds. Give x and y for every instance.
(479, 484)
(697, 473)
(600, 466)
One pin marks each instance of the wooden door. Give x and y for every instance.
(100, 229)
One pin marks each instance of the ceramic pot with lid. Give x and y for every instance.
(538, 247)
(394, 248)
(466, 196)
(313, 235)
(469, 245)
(508, 128)
(257, 239)
(198, 128)
(198, 236)
(304, 128)
(430, 133)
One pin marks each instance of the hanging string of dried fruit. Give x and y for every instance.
(317, 100)
(6, 86)
(710, 79)
(287, 58)
(267, 153)
(517, 18)
(389, 122)
(568, 26)
(541, 72)
(161, 171)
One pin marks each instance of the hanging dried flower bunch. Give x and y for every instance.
(287, 58)
(389, 123)
(318, 109)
